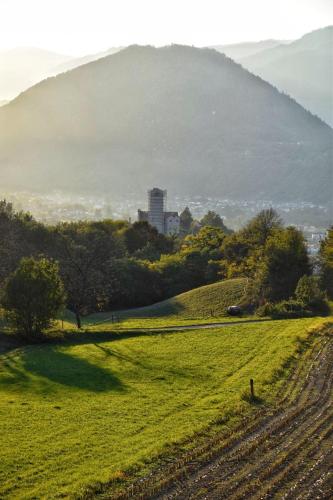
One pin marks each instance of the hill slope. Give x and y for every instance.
(188, 119)
(201, 302)
(79, 61)
(206, 304)
(22, 67)
(302, 69)
(245, 49)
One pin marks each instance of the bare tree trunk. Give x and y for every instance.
(78, 318)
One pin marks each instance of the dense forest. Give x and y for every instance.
(111, 265)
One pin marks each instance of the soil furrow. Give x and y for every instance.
(280, 452)
(263, 461)
(277, 430)
(287, 467)
(265, 469)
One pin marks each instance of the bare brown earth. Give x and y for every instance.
(284, 452)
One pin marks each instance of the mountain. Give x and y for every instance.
(303, 69)
(186, 119)
(79, 61)
(22, 67)
(239, 50)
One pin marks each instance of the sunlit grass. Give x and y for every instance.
(72, 414)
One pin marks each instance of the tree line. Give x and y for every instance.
(108, 265)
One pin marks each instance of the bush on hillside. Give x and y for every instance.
(310, 295)
(285, 309)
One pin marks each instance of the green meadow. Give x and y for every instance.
(98, 406)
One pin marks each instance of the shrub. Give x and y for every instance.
(33, 295)
(309, 294)
(285, 309)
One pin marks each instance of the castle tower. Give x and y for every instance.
(156, 208)
(165, 222)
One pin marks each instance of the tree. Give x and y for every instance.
(84, 250)
(212, 219)
(133, 283)
(308, 292)
(186, 220)
(181, 272)
(238, 256)
(20, 236)
(326, 263)
(285, 261)
(208, 239)
(243, 251)
(258, 230)
(33, 296)
(145, 242)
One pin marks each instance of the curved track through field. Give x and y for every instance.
(287, 455)
(283, 453)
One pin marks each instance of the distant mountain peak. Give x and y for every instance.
(302, 69)
(186, 118)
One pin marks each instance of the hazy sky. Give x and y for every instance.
(83, 26)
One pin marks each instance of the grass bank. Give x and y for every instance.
(206, 304)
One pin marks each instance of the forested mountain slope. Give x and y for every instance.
(190, 120)
(302, 69)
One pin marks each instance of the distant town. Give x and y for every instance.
(313, 220)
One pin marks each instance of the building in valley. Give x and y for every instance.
(165, 222)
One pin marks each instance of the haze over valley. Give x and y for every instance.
(186, 118)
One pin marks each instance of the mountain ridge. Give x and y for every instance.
(189, 119)
(22, 67)
(240, 50)
(303, 69)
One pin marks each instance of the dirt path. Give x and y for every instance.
(282, 453)
(192, 326)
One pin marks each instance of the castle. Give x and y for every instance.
(165, 222)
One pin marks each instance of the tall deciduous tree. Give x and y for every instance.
(258, 230)
(285, 261)
(326, 262)
(84, 250)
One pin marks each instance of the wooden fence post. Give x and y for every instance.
(252, 387)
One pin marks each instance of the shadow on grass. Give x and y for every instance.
(129, 359)
(8, 342)
(253, 400)
(164, 308)
(59, 367)
(92, 337)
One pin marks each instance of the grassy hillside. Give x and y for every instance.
(206, 304)
(203, 304)
(76, 414)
